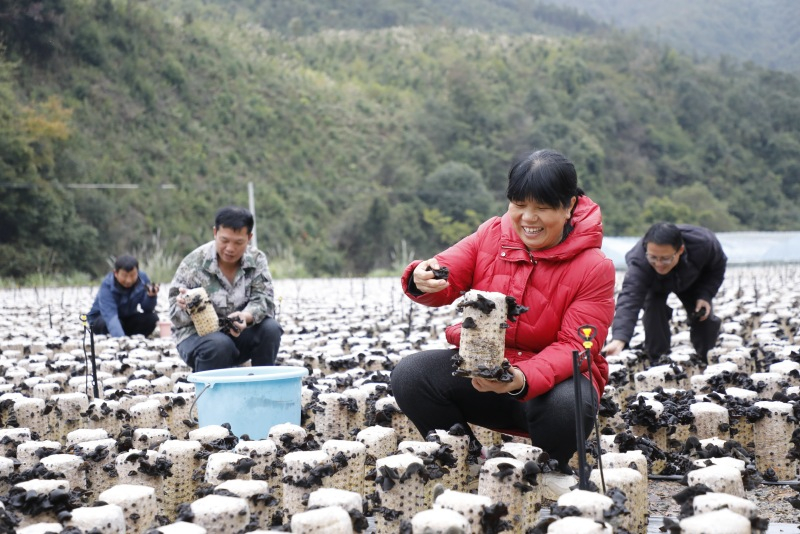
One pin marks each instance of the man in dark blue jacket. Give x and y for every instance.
(681, 259)
(115, 311)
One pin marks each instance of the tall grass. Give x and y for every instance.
(401, 255)
(284, 264)
(154, 260)
(40, 279)
(159, 265)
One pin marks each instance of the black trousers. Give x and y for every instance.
(656, 321)
(258, 343)
(427, 392)
(138, 323)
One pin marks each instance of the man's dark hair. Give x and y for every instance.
(126, 262)
(234, 217)
(664, 233)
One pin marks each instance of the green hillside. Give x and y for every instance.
(364, 146)
(308, 17)
(766, 32)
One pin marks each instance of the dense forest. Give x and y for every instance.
(372, 132)
(766, 32)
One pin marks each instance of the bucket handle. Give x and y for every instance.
(196, 398)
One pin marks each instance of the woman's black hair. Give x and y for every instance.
(663, 233)
(545, 176)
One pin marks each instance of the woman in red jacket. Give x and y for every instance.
(544, 252)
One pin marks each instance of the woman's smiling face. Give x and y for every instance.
(538, 225)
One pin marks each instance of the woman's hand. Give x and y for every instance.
(485, 384)
(424, 277)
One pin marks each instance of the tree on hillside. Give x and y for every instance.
(27, 27)
(41, 230)
(363, 236)
(360, 141)
(453, 188)
(704, 208)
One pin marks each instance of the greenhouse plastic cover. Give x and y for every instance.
(742, 248)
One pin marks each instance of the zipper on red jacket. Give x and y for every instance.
(530, 254)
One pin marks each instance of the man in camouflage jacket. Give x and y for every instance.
(239, 285)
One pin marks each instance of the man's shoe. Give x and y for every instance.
(554, 485)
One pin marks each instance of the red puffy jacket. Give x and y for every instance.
(564, 287)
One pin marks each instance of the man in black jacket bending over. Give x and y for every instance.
(681, 259)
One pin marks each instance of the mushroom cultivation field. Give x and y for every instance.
(686, 447)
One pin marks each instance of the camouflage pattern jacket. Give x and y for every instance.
(252, 289)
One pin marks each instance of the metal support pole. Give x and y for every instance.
(596, 424)
(93, 356)
(94, 365)
(583, 480)
(587, 333)
(252, 206)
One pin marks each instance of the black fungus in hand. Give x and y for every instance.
(695, 316)
(226, 324)
(440, 274)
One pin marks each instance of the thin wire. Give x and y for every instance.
(196, 398)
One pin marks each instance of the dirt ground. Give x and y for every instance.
(771, 499)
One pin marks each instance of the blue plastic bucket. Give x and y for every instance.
(250, 399)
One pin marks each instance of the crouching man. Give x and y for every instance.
(239, 285)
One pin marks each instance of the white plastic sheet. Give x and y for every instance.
(742, 248)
